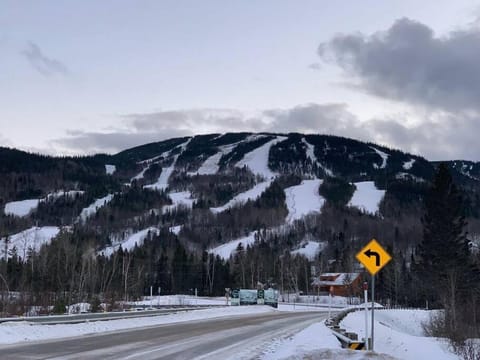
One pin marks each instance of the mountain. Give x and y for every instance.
(214, 211)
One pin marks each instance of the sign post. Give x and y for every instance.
(365, 296)
(374, 257)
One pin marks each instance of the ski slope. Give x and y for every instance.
(241, 198)
(407, 165)
(310, 153)
(303, 199)
(367, 197)
(30, 239)
(179, 198)
(257, 159)
(225, 250)
(310, 250)
(25, 207)
(130, 242)
(92, 209)
(384, 157)
(110, 169)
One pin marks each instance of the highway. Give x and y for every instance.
(239, 337)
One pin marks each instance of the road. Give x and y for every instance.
(239, 337)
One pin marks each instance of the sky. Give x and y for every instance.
(102, 76)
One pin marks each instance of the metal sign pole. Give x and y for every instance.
(373, 306)
(365, 295)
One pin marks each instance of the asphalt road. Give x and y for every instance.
(238, 337)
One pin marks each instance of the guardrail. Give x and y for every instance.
(347, 339)
(104, 316)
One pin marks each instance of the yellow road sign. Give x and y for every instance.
(373, 257)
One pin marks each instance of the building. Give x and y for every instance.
(339, 284)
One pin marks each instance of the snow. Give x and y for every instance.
(25, 207)
(310, 249)
(310, 152)
(169, 300)
(225, 250)
(32, 238)
(367, 197)
(384, 157)
(241, 198)
(21, 208)
(139, 175)
(399, 333)
(313, 338)
(176, 229)
(303, 199)
(130, 242)
(110, 169)
(20, 332)
(179, 198)
(92, 209)
(162, 182)
(407, 165)
(257, 160)
(210, 166)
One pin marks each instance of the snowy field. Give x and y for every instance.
(28, 240)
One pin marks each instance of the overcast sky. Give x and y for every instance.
(101, 76)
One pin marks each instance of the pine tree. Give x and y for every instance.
(445, 268)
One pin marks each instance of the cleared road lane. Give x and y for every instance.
(239, 337)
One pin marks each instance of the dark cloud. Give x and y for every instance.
(43, 64)
(409, 63)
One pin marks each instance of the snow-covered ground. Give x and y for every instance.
(110, 169)
(367, 197)
(179, 198)
(257, 160)
(310, 152)
(384, 157)
(241, 198)
(162, 181)
(130, 242)
(303, 199)
(92, 209)
(407, 165)
(21, 208)
(25, 207)
(225, 250)
(168, 300)
(30, 239)
(310, 249)
(399, 334)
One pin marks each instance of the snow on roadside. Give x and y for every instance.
(257, 159)
(313, 338)
(30, 239)
(241, 198)
(303, 199)
(20, 332)
(92, 209)
(225, 250)
(367, 197)
(130, 242)
(399, 333)
(110, 169)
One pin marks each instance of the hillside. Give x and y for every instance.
(214, 211)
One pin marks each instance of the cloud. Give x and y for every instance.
(408, 63)
(441, 136)
(43, 64)
(315, 66)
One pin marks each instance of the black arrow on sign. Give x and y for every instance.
(370, 253)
